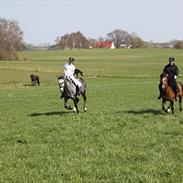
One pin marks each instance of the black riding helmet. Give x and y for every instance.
(71, 60)
(171, 59)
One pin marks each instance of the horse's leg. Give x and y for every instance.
(77, 100)
(66, 104)
(32, 82)
(84, 98)
(180, 103)
(171, 104)
(38, 82)
(164, 106)
(75, 109)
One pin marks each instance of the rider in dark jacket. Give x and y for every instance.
(172, 70)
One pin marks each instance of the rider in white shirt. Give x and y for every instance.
(69, 69)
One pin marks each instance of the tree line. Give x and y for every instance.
(118, 37)
(11, 40)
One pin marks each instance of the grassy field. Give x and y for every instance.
(123, 137)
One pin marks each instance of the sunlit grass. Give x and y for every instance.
(123, 137)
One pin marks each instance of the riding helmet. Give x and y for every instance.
(171, 59)
(70, 59)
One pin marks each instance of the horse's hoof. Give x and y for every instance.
(168, 110)
(85, 109)
(75, 110)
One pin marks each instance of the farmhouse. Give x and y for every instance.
(103, 44)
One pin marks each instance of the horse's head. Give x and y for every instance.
(61, 82)
(164, 80)
(60, 77)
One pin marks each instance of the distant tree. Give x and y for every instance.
(63, 43)
(178, 45)
(74, 40)
(92, 42)
(10, 39)
(119, 37)
(57, 40)
(26, 47)
(136, 41)
(122, 38)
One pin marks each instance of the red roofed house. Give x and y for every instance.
(103, 44)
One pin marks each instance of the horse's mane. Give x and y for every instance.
(164, 74)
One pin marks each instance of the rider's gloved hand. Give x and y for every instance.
(175, 77)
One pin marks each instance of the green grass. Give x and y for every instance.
(123, 137)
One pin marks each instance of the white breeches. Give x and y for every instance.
(75, 81)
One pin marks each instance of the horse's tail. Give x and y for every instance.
(181, 85)
(180, 88)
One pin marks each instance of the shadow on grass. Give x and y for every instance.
(47, 113)
(147, 111)
(31, 85)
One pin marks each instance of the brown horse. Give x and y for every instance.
(169, 95)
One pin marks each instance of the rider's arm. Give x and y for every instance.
(165, 69)
(177, 71)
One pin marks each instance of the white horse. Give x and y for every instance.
(69, 91)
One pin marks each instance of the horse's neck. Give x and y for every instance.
(169, 90)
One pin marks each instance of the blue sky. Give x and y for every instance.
(43, 20)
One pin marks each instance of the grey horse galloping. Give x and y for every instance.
(70, 92)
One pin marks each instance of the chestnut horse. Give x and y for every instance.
(169, 95)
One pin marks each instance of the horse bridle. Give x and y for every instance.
(164, 81)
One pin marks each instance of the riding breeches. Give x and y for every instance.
(78, 83)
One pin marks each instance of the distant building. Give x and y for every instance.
(164, 45)
(103, 44)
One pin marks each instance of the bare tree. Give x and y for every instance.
(178, 44)
(136, 41)
(10, 39)
(74, 40)
(119, 37)
(92, 42)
